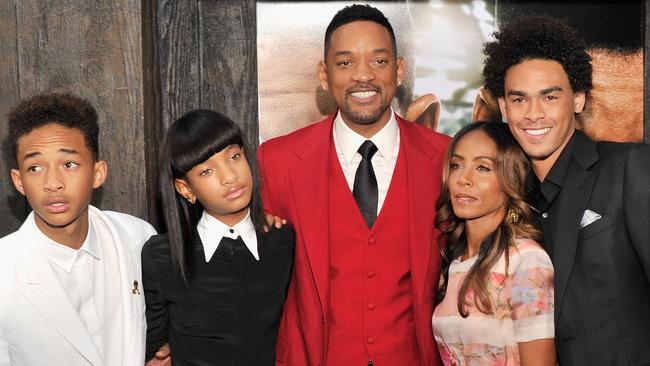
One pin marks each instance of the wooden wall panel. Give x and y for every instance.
(142, 64)
(229, 61)
(178, 56)
(13, 206)
(153, 127)
(92, 49)
(207, 59)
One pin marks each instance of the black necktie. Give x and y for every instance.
(365, 184)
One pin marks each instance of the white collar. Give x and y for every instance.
(211, 231)
(349, 141)
(65, 257)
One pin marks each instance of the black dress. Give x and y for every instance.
(230, 311)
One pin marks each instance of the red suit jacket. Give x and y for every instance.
(294, 178)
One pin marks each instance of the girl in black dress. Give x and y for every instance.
(215, 283)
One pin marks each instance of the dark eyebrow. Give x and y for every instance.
(544, 91)
(348, 53)
(518, 93)
(63, 150)
(342, 53)
(485, 158)
(550, 90)
(381, 50)
(31, 155)
(454, 155)
(69, 151)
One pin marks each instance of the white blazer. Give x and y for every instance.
(38, 325)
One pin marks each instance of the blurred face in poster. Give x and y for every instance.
(361, 72)
(614, 107)
(439, 41)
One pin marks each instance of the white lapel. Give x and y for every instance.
(133, 336)
(37, 283)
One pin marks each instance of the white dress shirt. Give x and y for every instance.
(211, 231)
(88, 278)
(387, 140)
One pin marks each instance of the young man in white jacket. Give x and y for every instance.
(70, 278)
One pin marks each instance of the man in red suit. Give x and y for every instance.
(360, 189)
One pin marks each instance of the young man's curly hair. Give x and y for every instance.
(63, 109)
(536, 37)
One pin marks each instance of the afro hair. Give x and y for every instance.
(536, 37)
(63, 109)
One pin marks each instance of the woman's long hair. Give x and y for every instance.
(191, 140)
(513, 172)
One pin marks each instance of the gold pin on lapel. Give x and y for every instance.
(136, 291)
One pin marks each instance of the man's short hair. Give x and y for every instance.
(63, 109)
(536, 37)
(354, 13)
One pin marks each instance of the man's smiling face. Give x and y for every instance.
(361, 72)
(540, 107)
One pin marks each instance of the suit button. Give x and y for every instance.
(371, 274)
(371, 241)
(371, 340)
(371, 306)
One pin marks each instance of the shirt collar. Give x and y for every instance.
(554, 180)
(349, 141)
(211, 231)
(65, 257)
(558, 172)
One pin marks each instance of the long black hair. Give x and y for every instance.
(191, 140)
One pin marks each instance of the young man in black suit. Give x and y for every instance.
(593, 197)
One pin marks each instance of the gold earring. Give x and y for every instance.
(190, 199)
(512, 217)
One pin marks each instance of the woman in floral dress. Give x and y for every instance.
(495, 299)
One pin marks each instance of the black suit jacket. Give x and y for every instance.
(230, 312)
(602, 270)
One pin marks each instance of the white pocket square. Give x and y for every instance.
(589, 217)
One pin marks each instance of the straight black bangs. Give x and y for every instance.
(195, 137)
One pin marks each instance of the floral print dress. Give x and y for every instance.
(523, 310)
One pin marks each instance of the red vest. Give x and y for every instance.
(371, 304)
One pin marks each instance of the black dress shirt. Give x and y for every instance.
(545, 194)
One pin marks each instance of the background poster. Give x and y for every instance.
(442, 42)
